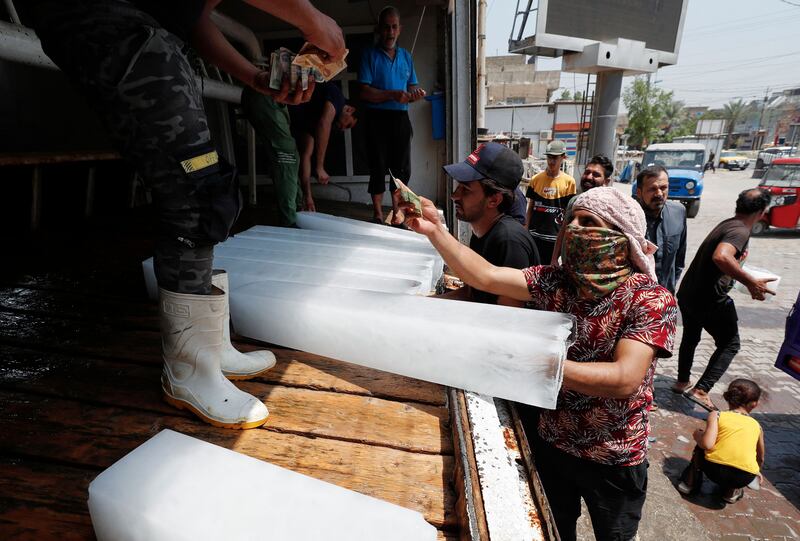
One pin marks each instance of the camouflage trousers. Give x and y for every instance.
(138, 78)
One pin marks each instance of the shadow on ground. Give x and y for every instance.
(707, 496)
(782, 464)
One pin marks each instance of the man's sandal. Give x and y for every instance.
(707, 404)
(680, 387)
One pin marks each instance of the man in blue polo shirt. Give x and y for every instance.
(388, 85)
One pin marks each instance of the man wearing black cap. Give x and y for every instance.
(487, 181)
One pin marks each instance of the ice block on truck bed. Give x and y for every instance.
(509, 353)
(175, 487)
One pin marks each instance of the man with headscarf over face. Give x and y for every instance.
(594, 444)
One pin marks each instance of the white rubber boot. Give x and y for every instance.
(192, 331)
(235, 364)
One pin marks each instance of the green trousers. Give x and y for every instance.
(271, 123)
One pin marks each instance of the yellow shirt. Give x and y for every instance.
(549, 197)
(736, 442)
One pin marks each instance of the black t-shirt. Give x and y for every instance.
(305, 116)
(704, 283)
(507, 244)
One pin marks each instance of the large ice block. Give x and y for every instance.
(326, 257)
(243, 271)
(327, 222)
(381, 255)
(175, 488)
(505, 352)
(364, 253)
(419, 245)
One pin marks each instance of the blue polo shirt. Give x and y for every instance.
(380, 71)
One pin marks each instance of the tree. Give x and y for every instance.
(578, 96)
(676, 122)
(647, 107)
(732, 112)
(672, 119)
(566, 95)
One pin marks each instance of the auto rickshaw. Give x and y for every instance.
(782, 179)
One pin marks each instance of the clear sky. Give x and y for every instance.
(729, 49)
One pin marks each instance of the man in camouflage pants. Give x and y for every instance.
(129, 59)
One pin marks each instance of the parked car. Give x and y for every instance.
(684, 163)
(766, 156)
(732, 159)
(782, 179)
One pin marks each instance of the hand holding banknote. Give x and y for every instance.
(425, 224)
(283, 94)
(323, 32)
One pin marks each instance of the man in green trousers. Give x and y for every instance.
(270, 120)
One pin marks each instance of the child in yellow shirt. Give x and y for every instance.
(730, 450)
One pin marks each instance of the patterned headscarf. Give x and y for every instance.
(624, 213)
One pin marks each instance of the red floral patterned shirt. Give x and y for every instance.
(605, 430)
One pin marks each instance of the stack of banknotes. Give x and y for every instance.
(310, 64)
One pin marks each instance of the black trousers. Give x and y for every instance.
(727, 477)
(614, 495)
(388, 147)
(545, 249)
(721, 322)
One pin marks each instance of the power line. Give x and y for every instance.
(772, 17)
(694, 35)
(705, 64)
(742, 64)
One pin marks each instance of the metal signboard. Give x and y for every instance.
(643, 35)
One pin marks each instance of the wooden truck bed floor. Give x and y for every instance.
(79, 388)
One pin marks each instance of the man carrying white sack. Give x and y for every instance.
(594, 444)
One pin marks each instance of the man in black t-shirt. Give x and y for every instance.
(311, 128)
(487, 181)
(703, 295)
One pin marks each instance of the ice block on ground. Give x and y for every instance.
(510, 353)
(174, 487)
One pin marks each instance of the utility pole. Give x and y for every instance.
(761, 117)
(481, 90)
(604, 114)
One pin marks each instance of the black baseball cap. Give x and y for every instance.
(489, 160)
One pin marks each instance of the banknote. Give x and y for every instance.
(294, 76)
(275, 74)
(281, 66)
(304, 75)
(311, 56)
(408, 196)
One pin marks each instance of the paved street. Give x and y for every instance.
(773, 512)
